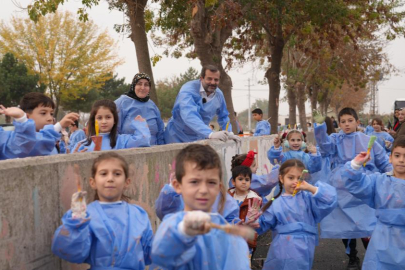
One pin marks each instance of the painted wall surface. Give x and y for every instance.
(36, 192)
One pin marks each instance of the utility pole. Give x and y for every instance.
(249, 111)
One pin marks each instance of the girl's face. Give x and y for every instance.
(290, 179)
(105, 119)
(110, 180)
(142, 88)
(376, 126)
(401, 115)
(253, 167)
(295, 141)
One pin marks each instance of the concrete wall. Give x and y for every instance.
(36, 192)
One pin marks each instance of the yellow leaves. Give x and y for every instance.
(210, 3)
(155, 59)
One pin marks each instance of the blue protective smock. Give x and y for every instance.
(62, 147)
(169, 202)
(386, 194)
(191, 117)
(215, 250)
(351, 218)
(76, 137)
(129, 108)
(18, 143)
(263, 127)
(294, 221)
(382, 137)
(115, 236)
(141, 138)
(313, 162)
(369, 130)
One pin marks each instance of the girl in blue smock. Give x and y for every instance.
(105, 112)
(385, 193)
(262, 184)
(295, 144)
(110, 233)
(136, 102)
(185, 240)
(294, 219)
(383, 138)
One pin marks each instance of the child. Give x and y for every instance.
(369, 128)
(295, 145)
(262, 184)
(243, 195)
(385, 193)
(295, 218)
(111, 233)
(76, 135)
(351, 219)
(263, 127)
(384, 139)
(184, 239)
(105, 112)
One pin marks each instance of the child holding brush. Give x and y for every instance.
(193, 239)
(109, 233)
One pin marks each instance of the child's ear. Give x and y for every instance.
(127, 183)
(281, 179)
(233, 181)
(177, 186)
(92, 183)
(390, 157)
(358, 122)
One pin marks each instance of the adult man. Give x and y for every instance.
(76, 135)
(196, 105)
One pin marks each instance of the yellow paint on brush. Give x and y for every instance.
(96, 126)
(303, 174)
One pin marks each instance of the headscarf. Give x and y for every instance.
(131, 93)
(250, 157)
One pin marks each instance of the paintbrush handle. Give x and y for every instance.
(368, 153)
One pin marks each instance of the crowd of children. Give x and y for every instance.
(354, 190)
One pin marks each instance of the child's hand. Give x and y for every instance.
(387, 144)
(76, 150)
(196, 222)
(318, 117)
(78, 205)
(306, 186)
(12, 111)
(277, 142)
(311, 148)
(254, 211)
(139, 118)
(361, 158)
(68, 119)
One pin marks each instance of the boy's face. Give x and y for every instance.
(42, 116)
(242, 184)
(199, 188)
(257, 117)
(397, 158)
(348, 123)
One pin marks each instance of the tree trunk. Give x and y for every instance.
(273, 77)
(300, 90)
(136, 14)
(208, 45)
(313, 96)
(292, 104)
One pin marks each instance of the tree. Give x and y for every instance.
(70, 57)
(16, 81)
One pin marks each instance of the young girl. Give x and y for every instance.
(295, 218)
(185, 240)
(386, 193)
(105, 112)
(110, 233)
(262, 184)
(295, 145)
(384, 139)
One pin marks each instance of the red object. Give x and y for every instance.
(249, 159)
(98, 140)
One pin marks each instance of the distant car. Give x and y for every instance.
(7, 127)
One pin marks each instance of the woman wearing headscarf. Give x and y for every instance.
(136, 102)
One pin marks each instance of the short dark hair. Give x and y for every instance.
(241, 170)
(211, 68)
(258, 111)
(348, 111)
(76, 123)
(33, 100)
(398, 142)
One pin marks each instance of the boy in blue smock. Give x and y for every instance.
(76, 135)
(263, 127)
(385, 193)
(185, 240)
(351, 219)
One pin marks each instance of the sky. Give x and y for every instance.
(389, 89)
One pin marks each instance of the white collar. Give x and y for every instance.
(203, 94)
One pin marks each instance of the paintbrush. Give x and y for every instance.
(302, 177)
(369, 146)
(239, 230)
(78, 182)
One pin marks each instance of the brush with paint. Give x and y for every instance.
(97, 140)
(304, 174)
(78, 205)
(239, 230)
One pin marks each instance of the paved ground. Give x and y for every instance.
(329, 255)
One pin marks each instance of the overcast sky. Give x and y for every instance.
(389, 90)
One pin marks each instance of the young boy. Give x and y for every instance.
(351, 219)
(185, 240)
(76, 135)
(262, 127)
(39, 108)
(385, 193)
(244, 196)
